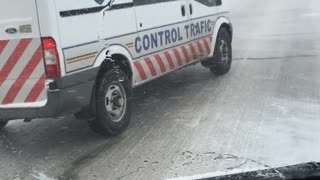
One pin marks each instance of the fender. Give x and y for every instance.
(220, 21)
(113, 49)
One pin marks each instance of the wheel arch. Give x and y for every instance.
(222, 22)
(115, 55)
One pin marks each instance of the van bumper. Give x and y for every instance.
(66, 96)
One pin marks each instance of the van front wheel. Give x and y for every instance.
(223, 53)
(3, 124)
(112, 103)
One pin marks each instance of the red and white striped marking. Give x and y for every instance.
(22, 74)
(166, 61)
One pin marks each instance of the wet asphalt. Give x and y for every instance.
(264, 113)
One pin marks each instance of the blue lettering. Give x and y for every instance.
(208, 24)
(161, 37)
(179, 35)
(137, 45)
(154, 40)
(187, 30)
(202, 26)
(174, 35)
(192, 30)
(197, 29)
(146, 42)
(167, 36)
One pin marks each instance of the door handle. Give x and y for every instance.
(183, 10)
(190, 8)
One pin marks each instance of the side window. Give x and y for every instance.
(146, 2)
(210, 3)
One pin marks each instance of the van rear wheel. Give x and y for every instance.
(3, 124)
(112, 104)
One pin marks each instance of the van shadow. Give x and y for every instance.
(60, 146)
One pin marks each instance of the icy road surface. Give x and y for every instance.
(264, 113)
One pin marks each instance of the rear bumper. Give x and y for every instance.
(68, 99)
(49, 110)
(59, 102)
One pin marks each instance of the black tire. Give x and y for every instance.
(223, 53)
(113, 83)
(3, 124)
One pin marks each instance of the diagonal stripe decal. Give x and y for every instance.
(169, 59)
(13, 59)
(193, 51)
(3, 44)
(140, 70)
(151, 67)
(160, 63)
(36, 90)
(23, 77)
(199, 47)
(178, 57)
(185, 54)
(206, 45)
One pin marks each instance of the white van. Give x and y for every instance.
(62, 56)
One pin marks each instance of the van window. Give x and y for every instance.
(210, 3)
(146, 2)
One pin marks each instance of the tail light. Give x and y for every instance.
(51, 58)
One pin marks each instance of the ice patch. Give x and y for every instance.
(215, 174)
(282, 109)
(38, 175)
(314, 14)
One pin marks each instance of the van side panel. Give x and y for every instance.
(22, 73)
(79, 26)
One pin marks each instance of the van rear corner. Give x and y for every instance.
(27, 62)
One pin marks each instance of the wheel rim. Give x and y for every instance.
(116, 102)
(224, 49)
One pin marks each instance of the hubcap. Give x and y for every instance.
(224, 49)
(115, 102)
